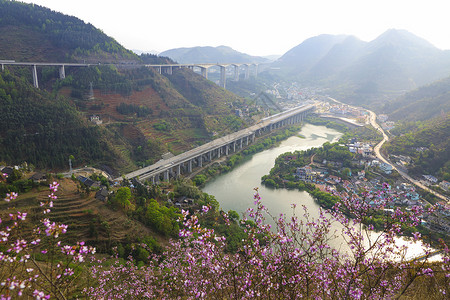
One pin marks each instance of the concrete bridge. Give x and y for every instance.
(34, 65)
(168, 68)
(187, 161)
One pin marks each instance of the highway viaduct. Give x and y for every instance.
(167, 68)
(185, 162)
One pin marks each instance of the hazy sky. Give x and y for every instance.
(256, 27)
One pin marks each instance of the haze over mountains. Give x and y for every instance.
(220, 54)
(356, 71)
(370, 73)
(395, 62)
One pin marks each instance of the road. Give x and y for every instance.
(377, 148)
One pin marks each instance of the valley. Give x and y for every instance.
(206, 172)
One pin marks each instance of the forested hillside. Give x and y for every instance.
(142, 113)
(33, 32)
(427, 143)
(422, 104)
(45, 130)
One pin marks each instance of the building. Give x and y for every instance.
(95, 119)
(304, 173)
(431, 178)
(445, 185)
(386, 168)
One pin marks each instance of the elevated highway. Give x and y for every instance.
(161, 68)
(185, 162)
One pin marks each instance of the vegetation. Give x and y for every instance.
(140, 111)
(428, 145)
(43, 130)
(64, 32)
(425, 103)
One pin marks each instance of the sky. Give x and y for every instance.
(255, 27)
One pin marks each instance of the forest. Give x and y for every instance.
(44, 130)
(428, 145)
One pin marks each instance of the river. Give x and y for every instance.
(234, 190)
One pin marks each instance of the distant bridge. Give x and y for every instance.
(167, 68)
(185, 162)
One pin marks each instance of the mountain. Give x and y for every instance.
(422, 104)
(397, 61)
(338, 57)
(220, 54)
(303, 57)
(143, 113)
(36, 33)
(359, 72)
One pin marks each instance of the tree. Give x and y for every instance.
(122, 198)
(294, 260)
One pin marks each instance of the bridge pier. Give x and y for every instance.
(204, 72)
(236, 73)
(62, 72)
(178, 170)
(3, 67)
(247, 72)
(223, 75)
(190, 166)
(200, 161)
(35, 77)
(166, 175)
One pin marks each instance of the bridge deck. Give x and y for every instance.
(162, 165)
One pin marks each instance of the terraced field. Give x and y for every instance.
(88, 219)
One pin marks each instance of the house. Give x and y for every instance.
(386, 168)
(95, 119)
(102, 194)
(445, 185)
(334, 178)
(183, 202)
(362, 174)
(88, 182)
(7, 170)
(39, 177)
(290, 157)
(431, 178)
(304, 173)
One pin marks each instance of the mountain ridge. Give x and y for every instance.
(209, 54)
(362, 72)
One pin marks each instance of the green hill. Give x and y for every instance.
(36, 33)
(428, 144)
(45, 130)
(144, 113)
(424, 103)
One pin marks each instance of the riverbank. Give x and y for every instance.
(225, 165)
(329, 184)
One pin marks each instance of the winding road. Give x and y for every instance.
(377, 148)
